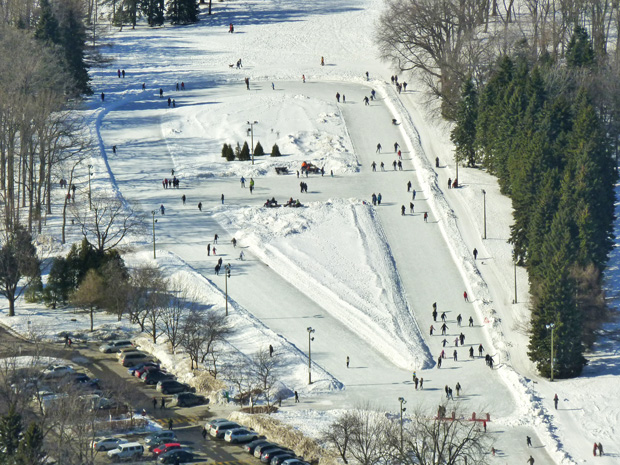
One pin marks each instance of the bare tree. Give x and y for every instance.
(147, 286)
(265, 369)
(369, 442)
(428, 440)
(108, 222)
(178, 304)
(217, 329)
(194, 337)
(339, 433)
(239, 373)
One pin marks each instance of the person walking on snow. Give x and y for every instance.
(459, 318)
(242, 181)
(402, 210)
(480, 350)
(555, 401)
(595, 449)
(444, 328)
(443, 317)
(458, 387)
(530, 460)
(411, 206)
(465, 296)
(208, 249)
(529, 441)
(455, 356)
(162, 209)
(600, 449)
(215, 239)
(374, 166)
(471, 322)
(471, 352)
(434, 311)
(338, 97)
(409, 186)
(396, 147)
(432, 329)
(394, 165)
(348, 361)
(475, 253)
(161, 92)
(425, 217)
(379, 197)
(183, 199)
(200, 206)
(378, 148)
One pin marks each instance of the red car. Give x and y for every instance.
(139, 372)
(166, 447)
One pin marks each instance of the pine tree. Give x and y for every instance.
(30, 451)
(244, 153)
(275, 151)
(182, 11)
(224, 150)
(10, 431)
(464, 133)
(258, 150)
(73, 42)
(47, 26)
(154, 12)
(579, 52)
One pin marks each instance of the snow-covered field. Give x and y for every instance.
(364, 277)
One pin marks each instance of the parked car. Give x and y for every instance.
(85, 381)
(219, 430)
(108, 443)
(211, 423)
(187, 399)
(279, 459)
(237, 435)
(132, 370)
(269, 454)
(258, 450)
(130, 450)
(160, 436)
(163, 448)
(176, 456)
(114, 346)
(124, 350)
(249, 448)
(171, 386)
(144, 368)
(57, 371)
(155, 376)
(133, 358)
(295, 461)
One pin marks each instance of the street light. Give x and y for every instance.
(154, 221)
(484, 203)
(310, 339)
(551, 326)
(90, 203)
(402, 401)
(226, 276)
(251, 131)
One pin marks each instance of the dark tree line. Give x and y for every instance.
(536, 125)
(154, 11)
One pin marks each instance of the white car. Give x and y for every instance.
(240, 435)
(108, 443)
(57, 371)
(115, 346)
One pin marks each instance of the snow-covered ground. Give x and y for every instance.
(364, 277)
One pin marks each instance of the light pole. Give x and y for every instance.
(226, 276)
(252, 137)
(154, 221)
(515, 266)
(310, 339)
(402, 401)
(90, 202)
(551, 326)
(484, 209)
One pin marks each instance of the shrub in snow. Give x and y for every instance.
(258, 150)
(275, 151)
(244, 153)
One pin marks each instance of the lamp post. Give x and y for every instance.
(551, 326)
(402, 401)
(484, 210)
(252, 137)
(90, 202)
(226, 276)
(515, 267)
(154, 221)
(310, 339)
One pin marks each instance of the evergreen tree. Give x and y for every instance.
(182, 11)
(30, 451)
(18, 259)
(73, 42)
(464, 133)
(61, 282)
(47, 27)
(230, 153)
(224, 150)
(579, 52)
(244, 153)
(154, 12)
(10, 431)
(258, 150)
(275, 151)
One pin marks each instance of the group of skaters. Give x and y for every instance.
(373, 96)
(170, 183)
(399, 86)
(251, 183)
(303, 187)
(458, 340)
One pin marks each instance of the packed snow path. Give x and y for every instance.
(425, 266)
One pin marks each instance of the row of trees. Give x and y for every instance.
(154, 11)
(243, 153)
(370, 437)
(446, 41)
(536, 127)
